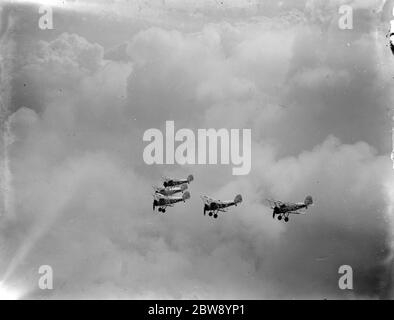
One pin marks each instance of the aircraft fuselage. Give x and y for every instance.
(168, 192)
(164, 202)
(217, 206)
(289, 207)
(173, 183)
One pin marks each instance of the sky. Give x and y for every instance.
(77, 195)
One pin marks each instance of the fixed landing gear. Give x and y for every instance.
(162, 210)
(215, 215)
(286, 219)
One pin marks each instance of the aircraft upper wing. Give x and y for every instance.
(159, 196)
(296, 212)
(156, 196)
(274, 203)
(208, 200)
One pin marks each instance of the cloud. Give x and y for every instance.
(52, 69)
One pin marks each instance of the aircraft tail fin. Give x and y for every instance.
(190, 178)
(238, 199)
(308, 201)
(183, 187)
(186, 195)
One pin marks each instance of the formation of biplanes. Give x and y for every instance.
(175, 191)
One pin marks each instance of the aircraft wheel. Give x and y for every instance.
(159, 209)
(215, 216)
(286, 219)
(164, 211)
(210, 214)
(280, 218)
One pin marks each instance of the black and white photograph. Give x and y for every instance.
(194, 150)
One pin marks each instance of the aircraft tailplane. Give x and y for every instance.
(308, 201)
(186, 195)
(238, 199)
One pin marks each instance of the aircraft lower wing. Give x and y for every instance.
(296, 212)
(166, 205)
